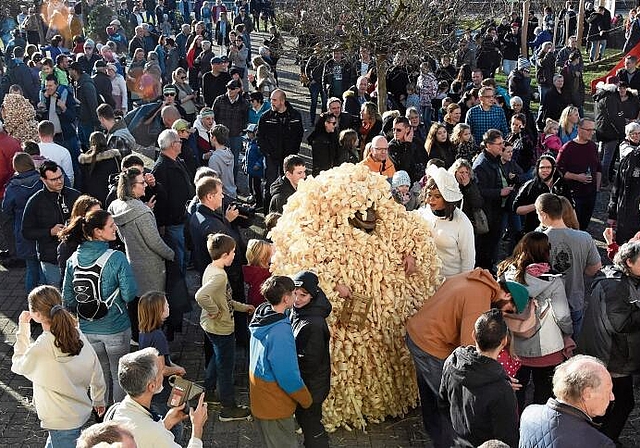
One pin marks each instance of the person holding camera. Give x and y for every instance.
(140, 376)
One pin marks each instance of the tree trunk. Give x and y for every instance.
(381, 68)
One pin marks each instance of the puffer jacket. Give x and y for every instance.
(19, 189)
(116, 274)
(552, 308)
(311, 333)
(611, 327)
(559, 425)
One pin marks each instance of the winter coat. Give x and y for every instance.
(20, 188)
(116, 274)
(42, 212)
(471, 199)
(233, 115)
(551, 107)
(520, 85)
(324, 149)
(104, 89)
(173, 175)
(312, 336)
(486, 169)
(609, 116)
(625, 195)
(9, 146)
(611, 326)
(280, 191)
(280, 134)
(96, 174)
(476, 396)
(146, 251)
(254, 160)
(559, 425)
(534, 188)
(553, 310)
(276, 387)
(88, 98)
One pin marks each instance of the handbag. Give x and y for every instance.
(480, 222)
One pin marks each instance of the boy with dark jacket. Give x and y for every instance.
(310, 309)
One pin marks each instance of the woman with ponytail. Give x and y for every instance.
(108, 331)
(62, 366)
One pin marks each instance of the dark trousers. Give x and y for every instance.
(584, 209)
(255, 188)
(7, 239)
(313, 430)
(543, 387)
(273, 169)
(614, 420)
(429, 373)
(487, 244)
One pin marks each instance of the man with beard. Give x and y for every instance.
(547, 180)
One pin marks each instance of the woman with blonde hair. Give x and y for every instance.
(186, 95)
(452, 117)
(264, 81)
(462, 139)
(62, 366)
(568, 123)
(259, 254)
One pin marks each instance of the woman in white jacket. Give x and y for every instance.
(451, 229)
(62, 366)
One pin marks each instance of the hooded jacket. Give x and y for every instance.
(221, 161)
(146, 250)
(625, 196)
(476, 395)
(96, 174)
(609, 115)
(280, 191)
(312, 336)
(60, 381)
(550, 297)
(276, 387)
(611, 326)
(446, 320)
(119, 137)
(20, 188)
(116, 273)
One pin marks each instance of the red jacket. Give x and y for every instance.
(254, 276)
(8, 147)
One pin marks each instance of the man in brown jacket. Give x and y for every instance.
(444, 323)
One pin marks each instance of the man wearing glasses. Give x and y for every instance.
(377, 160)
(403, 151)
(45, 215)
(486, 115)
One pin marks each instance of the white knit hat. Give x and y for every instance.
(400, 178)
(523, 63)
(447, 184)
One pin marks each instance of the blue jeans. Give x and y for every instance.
(543, 90)
(596, 50)
(577, 318)
(235, 144)
(220, 368)
(62, 438)
(315, 89)
(110, 348)
(51, 274)
(608, 151)
(33, 275)
(84, 132)
(508, 66)
(429, 373)
(174, 237)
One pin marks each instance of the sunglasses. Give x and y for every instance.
(169, 94)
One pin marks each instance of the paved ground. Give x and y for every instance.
(19, 425)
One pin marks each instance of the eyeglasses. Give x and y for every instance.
(375, 148)
(169, 94)
(588, 129)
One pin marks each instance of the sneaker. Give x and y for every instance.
(235, 413)
(134, 343)
(211, 397)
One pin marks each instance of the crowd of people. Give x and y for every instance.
(121, 167)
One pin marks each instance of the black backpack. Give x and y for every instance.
(87, 283)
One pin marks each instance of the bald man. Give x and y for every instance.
(377, 159)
